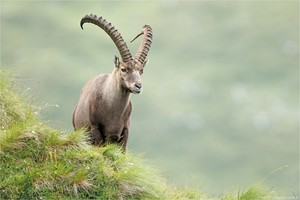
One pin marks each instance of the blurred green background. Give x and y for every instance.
(220, 106)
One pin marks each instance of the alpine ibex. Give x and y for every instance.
(104, 106)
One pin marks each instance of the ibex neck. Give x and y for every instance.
(115, 95)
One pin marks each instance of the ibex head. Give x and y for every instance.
(129, 69)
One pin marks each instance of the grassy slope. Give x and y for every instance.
(38, 162)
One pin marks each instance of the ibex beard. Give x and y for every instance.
(104, 105)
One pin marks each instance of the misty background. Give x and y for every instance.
(220, 106)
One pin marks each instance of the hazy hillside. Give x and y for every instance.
(221, 90)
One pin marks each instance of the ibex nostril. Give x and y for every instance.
(138, 85)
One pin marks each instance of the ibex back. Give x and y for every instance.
(104, 106)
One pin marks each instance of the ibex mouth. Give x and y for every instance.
(137, 88)
(136, 91)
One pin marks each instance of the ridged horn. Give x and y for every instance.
(112, 32)
(145, 45)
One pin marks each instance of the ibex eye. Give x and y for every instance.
(123, 69)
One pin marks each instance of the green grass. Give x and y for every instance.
(39, 162)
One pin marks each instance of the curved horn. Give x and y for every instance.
(144, 48)
(112, 32)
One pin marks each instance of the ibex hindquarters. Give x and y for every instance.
(104, 106)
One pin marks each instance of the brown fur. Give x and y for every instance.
(104, 105)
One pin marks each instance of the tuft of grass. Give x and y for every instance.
(254, 192)
(39, 162)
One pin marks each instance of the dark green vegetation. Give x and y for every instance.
(39, 162)
(220, 103)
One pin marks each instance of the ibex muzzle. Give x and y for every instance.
(104, 105)
(130, 75)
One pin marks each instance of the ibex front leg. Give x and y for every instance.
(96, 129)
(96, 135)
(123, 140)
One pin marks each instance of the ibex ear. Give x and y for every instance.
(116, 60)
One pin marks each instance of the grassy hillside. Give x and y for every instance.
(39, 162)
